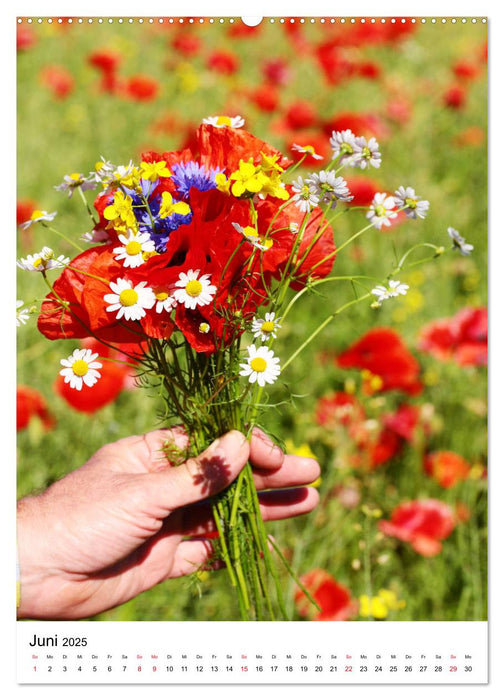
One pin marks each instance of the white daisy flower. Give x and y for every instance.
(193, 290)
(305, 195)
(330, 188)
(393, 290)
(366, 153)
(306, 149)
(38, 215)
(80, 368)
(250, 233)
(129, 302)
(381, 210)
(103, 172)
(406, 199)
(459, 243)
(135, 245)
(266, 327)
(164, 302)
(74, 180)
(343, 145)
(22, 315)
(222, 121)
(261, 366)
(42, 261)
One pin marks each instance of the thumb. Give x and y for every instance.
(201, 476)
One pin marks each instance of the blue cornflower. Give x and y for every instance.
(192, 174)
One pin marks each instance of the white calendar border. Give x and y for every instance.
(496, 607)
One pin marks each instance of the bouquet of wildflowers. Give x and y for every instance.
(191, 252)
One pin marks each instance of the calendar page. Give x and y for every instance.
(251, 349)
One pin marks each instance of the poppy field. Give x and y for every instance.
(382, 372)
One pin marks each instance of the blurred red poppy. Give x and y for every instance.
(455, 97)
(446, 467)
(423, 524)
(30, 403)
(105, 60)
(25, 38)
(224, 62)
(338, 408)
(142, 88)
(462, 338)
(277, 71)
(363, 190)
(187, 43)
(360, 123)
(382, 352)
(404, 421)
(334, 600)
(265, 97)
(465, 70)
(300, 115)
(58, 80)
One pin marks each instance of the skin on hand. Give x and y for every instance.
(127, 519)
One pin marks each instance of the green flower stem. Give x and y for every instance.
(62, 235)
(322, 326)
(86, 204)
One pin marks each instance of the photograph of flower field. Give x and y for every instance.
(347, 164)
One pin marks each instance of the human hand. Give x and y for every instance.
(127, 519)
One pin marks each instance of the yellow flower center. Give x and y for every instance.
(161, 296)
(128, 297)
(37, 262)
(75, 176)
(133, 247)
(258, 364)
(204, 327)
(36, 214)
(194, 288)
(80, 367)
(224, 121)
(268, 327)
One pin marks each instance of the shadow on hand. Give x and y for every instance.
(214, 475)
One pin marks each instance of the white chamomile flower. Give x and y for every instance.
(192, 290)
(129, 302)
(38, 215)
(381, 210)
(330, 188)
(80, 368)
(22, 314)
(459, 243)
(40, 262)
(135, 245)
(406, 199)
(164, 302)
(393, 290)
(74, 180)
(305, 195)
(261, 366)
(104, 170)
(222, 121)
(266, 327)
(366, 153)
(343, 145)
(252, 236)
(307, 149)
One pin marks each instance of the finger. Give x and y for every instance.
(198, 520)
(278, 505)
(200, 477)
(264, 454)
(295, 471)
(192, 555)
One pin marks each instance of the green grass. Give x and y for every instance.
(56, 137)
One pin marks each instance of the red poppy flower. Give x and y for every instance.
(334, 600)
(382, 352)
(314, 138)
(105, 60)
(25, 38)
(462, 338)
(187, 43)
(277, 72)
(24, 209)
(29, 403)
(142, 88)
(58, 80)
(223, 62)
(455, 97)
(363, 190)
(115, 377)
(265, 97)
(404, 421)
(369, 69)
(465, 70)
(300, 115)
(447, 468)
(335, 63)
(422, 523)
(360, 124)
